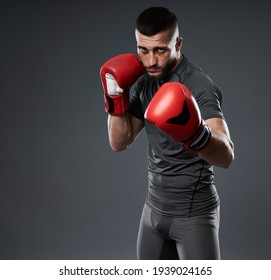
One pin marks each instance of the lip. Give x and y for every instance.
(153, 71)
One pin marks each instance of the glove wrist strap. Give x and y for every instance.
(117, 105)
(196, 143)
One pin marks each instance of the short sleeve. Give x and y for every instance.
(136, 109)
(210, 102)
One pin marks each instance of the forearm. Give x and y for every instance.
(119, 132)
(219, 151)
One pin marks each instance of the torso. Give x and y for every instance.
(179, 183)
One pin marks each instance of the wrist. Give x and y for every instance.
(117, 105)
(198, 140)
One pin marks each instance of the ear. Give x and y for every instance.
(179, 42)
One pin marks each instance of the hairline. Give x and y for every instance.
(173, 32)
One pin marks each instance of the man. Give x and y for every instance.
(180, 108)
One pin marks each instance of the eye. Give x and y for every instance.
(161, 50)
(143, 50)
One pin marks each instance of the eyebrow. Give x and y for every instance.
(153, 49)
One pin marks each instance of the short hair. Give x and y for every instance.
(155, 20)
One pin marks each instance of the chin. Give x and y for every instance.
(155, 76)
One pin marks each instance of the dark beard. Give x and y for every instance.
(167, 70)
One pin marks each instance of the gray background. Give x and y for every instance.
(63, 193)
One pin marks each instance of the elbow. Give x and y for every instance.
(121, 143)
(227, 163)
(117, 148)
(230, 156)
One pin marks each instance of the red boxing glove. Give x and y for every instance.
(118, 74)
(174, 110)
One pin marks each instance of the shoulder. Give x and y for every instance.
(196, 76)
(199, 82)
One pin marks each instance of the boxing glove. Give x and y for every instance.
(118, 74)
(174, 110)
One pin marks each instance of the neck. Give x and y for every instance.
(178, 62)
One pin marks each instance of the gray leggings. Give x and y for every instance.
(168, 238)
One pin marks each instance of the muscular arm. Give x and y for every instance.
(220, 150)
(122, 131)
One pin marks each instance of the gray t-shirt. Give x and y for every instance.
(179, 183)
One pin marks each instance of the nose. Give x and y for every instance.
(152, 59)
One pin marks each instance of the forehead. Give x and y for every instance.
(160, 39)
